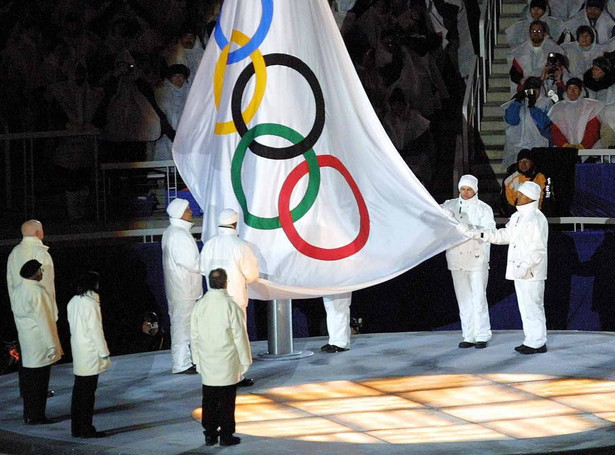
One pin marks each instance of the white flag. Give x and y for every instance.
(278, 127)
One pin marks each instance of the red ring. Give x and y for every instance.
(325, 254)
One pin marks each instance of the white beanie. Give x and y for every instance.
(531, 190)
(228, 216)
(177, 207)
(469, 181)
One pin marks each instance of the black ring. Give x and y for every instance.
(294, 150)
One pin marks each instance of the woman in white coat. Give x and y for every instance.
(90, 353)
(469, 264)
(526, 234)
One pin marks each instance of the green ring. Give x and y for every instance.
(309, 198)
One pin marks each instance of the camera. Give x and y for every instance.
(530, 91)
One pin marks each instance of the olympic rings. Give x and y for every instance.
(311, 162)
(297, 149)
(259, 90)
(286, 219)
(256, 40)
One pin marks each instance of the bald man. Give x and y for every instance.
(31, 247)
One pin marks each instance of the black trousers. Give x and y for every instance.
(34, 383)
(82, 406)
(219, 410)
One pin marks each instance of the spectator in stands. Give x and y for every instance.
(528, 124)
(607, 126)
(171, 97)
(574, 120)
(516, 34)
(74, 106)
(530, 58)
(554, 76)
(90, 353)
(526, 171)
(594, 15)
(222, 354)
(187, 50)
(409, 132)
(38, 340)
(57, 67)
(526, 235)
(83, 45)
(582, 52)
(469, 264)
(182, 281)
(599, 80)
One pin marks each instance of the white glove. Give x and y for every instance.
(476, 234)
(105, 362)
(52, 353)
(462, 228)
(520, 271)
(244, 369)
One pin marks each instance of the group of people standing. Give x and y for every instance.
(31, 285)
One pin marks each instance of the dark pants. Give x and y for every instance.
(82, 406)
(219, 410)
(34, 383)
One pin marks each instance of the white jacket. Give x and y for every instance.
(32, 248)
(180, 262)
(526, 233)
(36, 325)
(227, 251)
(472, 254)
(219, 340)
(87, 339)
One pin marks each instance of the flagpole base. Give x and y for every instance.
(291, 356)
(280, 332)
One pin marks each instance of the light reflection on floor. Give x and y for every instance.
(428, 409)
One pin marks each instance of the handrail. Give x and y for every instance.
(488, 38)
(471, 111)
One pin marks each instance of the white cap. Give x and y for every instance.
(177, 207)
(531, 190)
(228, 216)
(469, 181)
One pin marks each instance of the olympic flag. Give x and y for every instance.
(278, 126)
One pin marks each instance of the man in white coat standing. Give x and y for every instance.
(222, 355)
(227, 251)
(31, 247)
(182, 281)
(469, 264)
(526, 234)
(38, 340)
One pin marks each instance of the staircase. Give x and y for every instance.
(492, 124)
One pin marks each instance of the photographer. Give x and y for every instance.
(554, 75)
(526, 119)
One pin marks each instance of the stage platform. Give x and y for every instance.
(394, 393)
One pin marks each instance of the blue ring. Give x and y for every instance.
(259, 36)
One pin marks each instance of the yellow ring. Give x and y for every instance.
(260, 70)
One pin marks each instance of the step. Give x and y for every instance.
(498, 94)
(493, 137)
(507, 20)
(493, 125)
(499, 80)
(493, 167)
(500, 66)
(495, 154)
(513, 8)
(492, 110)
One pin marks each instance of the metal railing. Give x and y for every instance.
(488, 38)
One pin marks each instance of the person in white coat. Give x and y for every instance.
(32, 247)
(38, 340)
(516, 34)
(337, 307)
(90, 353)
(526, 234)
(183, 283)
(469, 264)
(222, 355)
(226, 250)
(597, 17)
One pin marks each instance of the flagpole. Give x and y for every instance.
(280, 332)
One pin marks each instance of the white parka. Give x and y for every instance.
(219, 340)
(36, 325)
(32, 248)
(227, 251)
(471, 254)
(87, 339)
(527, 234)
(180, 263)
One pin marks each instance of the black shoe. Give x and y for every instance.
(191, 370)
(230, 441)
(245, 382)
(333, 348)
(94, 434)
(325, 347)
(39, 421)
(211, 440)
(523, 349)
(466, 344)
(480, 345)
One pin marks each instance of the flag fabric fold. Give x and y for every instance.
(278, 127)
